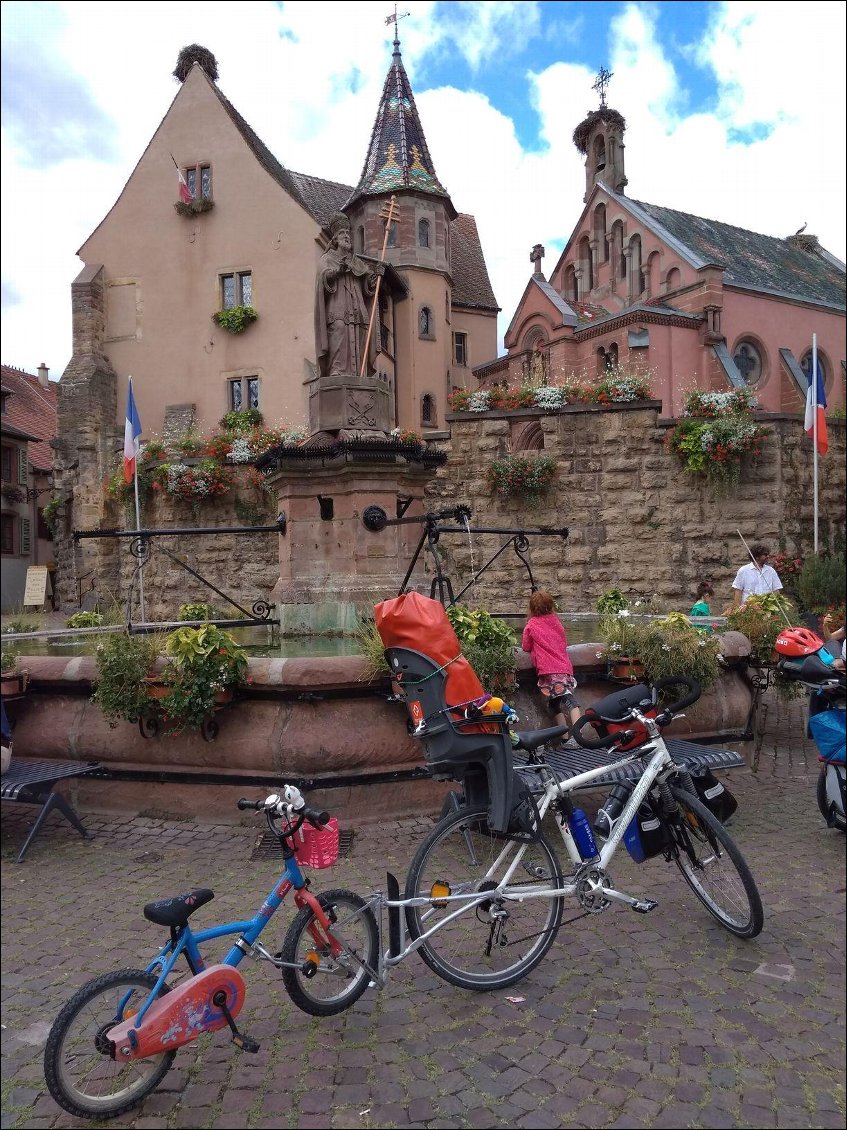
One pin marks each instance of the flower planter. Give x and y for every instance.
(627, 669)
(14, 684)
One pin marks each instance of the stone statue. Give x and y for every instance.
(344, 286)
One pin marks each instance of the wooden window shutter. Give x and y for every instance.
(25, 542)
(23, 465)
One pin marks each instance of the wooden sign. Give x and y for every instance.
(36, 585)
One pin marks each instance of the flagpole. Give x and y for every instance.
(814, 381)
(138, 527)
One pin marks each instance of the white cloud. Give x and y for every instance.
(308, 78)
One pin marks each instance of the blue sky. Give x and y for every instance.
(725, 117)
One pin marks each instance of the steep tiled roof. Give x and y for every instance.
(471, 284)
(31, 408)
(322, 198)
(760, 262)
(398, 157)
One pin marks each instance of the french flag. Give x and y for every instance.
(132, 434)
(184, 191)
(815, 405)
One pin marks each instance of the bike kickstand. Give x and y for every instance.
(246, 1043)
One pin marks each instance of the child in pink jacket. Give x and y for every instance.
(545, 640)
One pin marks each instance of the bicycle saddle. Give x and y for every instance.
(177, 910)
(532, 739)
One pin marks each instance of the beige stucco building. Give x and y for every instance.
(249, 233)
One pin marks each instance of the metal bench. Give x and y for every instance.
(570, 762)
(32, 782)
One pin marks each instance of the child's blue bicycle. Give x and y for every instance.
(116, 1038)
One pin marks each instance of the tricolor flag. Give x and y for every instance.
(132, 433)
(815, 404)
(184, 191)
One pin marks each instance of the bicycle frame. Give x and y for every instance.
(658, 769)
(187, 942)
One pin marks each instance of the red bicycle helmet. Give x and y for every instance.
(797, 642)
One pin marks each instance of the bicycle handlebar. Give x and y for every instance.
(290, 805)
(620, 737)
(694, 692)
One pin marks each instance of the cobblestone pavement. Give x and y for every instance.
(663, 1020)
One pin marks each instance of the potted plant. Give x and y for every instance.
(236, 319)
(125, 665)
(204, 667)
(13, 682)
(622, 633)
(672, 645)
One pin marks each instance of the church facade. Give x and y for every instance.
(695, 303)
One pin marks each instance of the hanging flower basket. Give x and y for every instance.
(235, 320)
(195, 208)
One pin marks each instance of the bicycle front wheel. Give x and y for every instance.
(81, 1074)
(326, 982)
(715, 869)
(496, 942)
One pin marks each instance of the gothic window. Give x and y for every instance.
(587, 266)
(426, 323)
(599, 153)
(236, 290)
(429, 413)
(748, 361)
(673, 279)
(636, 265)
(199, 181)
(423, 233)
(392, 234)
(571, 288)
(600, 233)
(607, 359)
(243, 393)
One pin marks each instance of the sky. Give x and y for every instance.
(734, 111)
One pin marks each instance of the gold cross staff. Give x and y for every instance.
(388, 213)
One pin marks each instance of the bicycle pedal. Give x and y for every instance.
(246, 1043)
(644, 906)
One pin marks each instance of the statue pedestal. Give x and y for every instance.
(330, 566)
(351, 404)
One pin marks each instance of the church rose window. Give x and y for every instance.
(748, 361)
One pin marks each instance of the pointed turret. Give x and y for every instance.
(398, 157)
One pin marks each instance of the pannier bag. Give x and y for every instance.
(714, 794)
(432, 675)
(829, 730)
(644, 837)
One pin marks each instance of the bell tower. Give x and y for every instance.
(599, 138)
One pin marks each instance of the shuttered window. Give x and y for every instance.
(25, 540)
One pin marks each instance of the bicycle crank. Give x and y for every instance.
(591, 884)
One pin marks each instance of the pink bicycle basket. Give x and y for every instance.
(317, 847)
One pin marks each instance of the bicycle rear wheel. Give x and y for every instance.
(81, 1074)
(497, 942)
(325, 983)
(716, 871)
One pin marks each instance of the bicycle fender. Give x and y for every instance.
(181, 1015)
(304, 897)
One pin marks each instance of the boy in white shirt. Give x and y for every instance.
(755, 577)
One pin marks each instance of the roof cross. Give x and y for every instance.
(601, 83)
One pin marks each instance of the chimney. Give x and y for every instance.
(43, 372)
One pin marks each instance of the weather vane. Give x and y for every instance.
(600, 84)
(395, 18)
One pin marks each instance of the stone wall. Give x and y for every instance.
(636, 519)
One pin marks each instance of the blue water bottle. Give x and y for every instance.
(582, 834)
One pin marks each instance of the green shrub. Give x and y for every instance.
(84, 620)
(235, 320)
(123, 664)
(820, 584)
(198, 611)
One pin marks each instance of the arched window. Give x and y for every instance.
(806, 366)
(392, 235)
(635, 264)
(599, 153)
(600, 233)
(360, 239)
(571, 288)
(426, 326)
(673, 279)
(423, 233)
(587, 265)
(651, 273)
(617, 237)
(429, 412)
(612, 357)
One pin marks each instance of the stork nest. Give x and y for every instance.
(583, 131)
(192, 54)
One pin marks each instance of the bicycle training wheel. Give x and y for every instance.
(718, 874)
(325, 983)
(81, 1074)
(498, 941)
